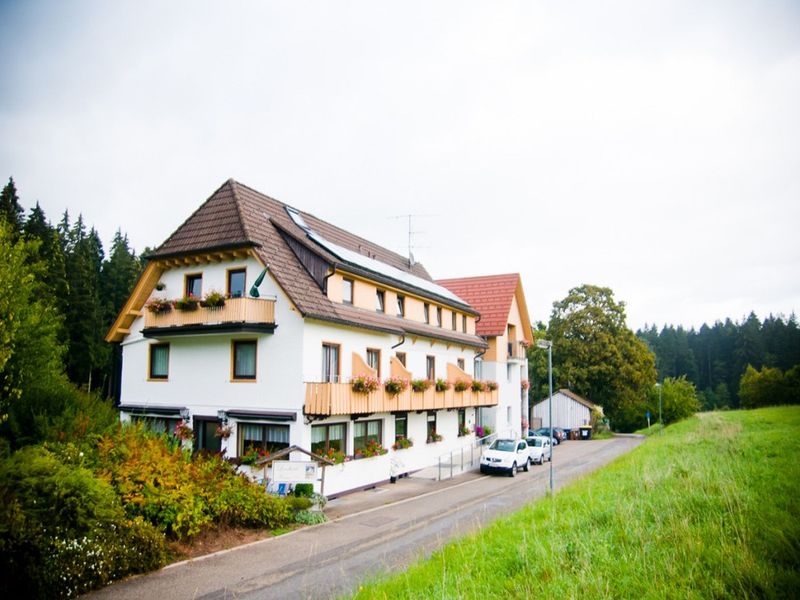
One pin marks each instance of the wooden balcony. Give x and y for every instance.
(237, 315)
(323, 399)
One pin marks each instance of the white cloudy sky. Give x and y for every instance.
(651, 147)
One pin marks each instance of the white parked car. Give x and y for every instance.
(539, 449)
(505, 456)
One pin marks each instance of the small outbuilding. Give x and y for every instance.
(570, 410)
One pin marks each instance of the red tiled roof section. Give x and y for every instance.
(491, 295)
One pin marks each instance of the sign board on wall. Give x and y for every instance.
(294, 471)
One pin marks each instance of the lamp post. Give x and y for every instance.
(549, 345)
(660, 422)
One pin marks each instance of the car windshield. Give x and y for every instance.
(534, 442)
(503, 445)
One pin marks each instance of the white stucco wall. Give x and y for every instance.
(566, 412)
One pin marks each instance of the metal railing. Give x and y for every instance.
(467, 457)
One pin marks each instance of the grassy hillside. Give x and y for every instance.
(708, 509)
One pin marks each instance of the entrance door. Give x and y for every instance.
(205, 438)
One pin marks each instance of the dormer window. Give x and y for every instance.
(380, 301)
(193, 285)
(347, 291)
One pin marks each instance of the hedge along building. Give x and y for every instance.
(310, 312)
(506, 326)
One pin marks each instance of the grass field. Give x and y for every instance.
(708, 509)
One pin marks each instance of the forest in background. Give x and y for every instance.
(86, 286)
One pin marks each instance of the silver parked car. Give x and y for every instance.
(539, 449)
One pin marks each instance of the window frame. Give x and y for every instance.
(235, 344)
(401, 306)
(377, 353)
(426, 313)
(464, 323)
(401, 356)
(454, 321)
(228, 274)
(327, 427)
(428, 429)
(352, 286)
(366, 437)
(332, 377)
(462, 421)
(430, 367)
(438, 316)
(380, 301)
(192, 277)
(150, 375)
(240, 427)
(461, 364)
(400, 417)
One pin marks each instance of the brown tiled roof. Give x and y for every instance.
(491, 295)
(236, 215)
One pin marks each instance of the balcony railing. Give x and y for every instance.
(235, 310)
(517, 351)
(340, 399)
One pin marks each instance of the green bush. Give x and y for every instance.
(304, 489)
(298, 503)
(306, 517)
(63, 530)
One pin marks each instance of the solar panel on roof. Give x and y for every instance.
(381, 268)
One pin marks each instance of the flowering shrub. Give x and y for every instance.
(213, 299)
(252, 455)
(491, 385)
(421, 385)
(159, 306)
(372, 448)
(402, 443)
(442, 385)
(334, 455)
(461, 385)
(463, 430)
(481, 431)
(434, 437)
(364, 385)
(478, 386)
(394, 385)
(186, 303)
(223, 431)
(183, 431)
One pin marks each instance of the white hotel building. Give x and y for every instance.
(309, 308)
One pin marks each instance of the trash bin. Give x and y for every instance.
(586, 433)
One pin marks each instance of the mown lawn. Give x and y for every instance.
(708, 509)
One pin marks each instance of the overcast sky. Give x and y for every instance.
(651, 147)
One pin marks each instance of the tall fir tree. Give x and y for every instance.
(10, 209)
(50, 253)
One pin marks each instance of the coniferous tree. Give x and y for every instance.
(10, 209)
(50, 253)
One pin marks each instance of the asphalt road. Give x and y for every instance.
(331, 559)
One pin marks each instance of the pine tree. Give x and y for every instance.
(50, 252)
(10, 209)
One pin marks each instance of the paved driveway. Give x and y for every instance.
(371, 532)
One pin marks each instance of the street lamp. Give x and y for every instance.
(660, 422)
(549, 345)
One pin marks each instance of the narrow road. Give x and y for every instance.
(331, 559)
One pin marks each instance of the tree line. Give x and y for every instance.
(86, 287)
(727, 365)
(716, 357)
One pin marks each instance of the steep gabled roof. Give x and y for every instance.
(236, 216)
(492, 295)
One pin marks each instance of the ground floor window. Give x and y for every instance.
(366, 432)
(326, 439)
(400, 426)
(263, 438)
(205, 433)
(165, 425)
(462, 422)
(433, 435)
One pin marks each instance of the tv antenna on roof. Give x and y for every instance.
(411, 232)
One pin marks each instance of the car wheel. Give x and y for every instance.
(513, 470)
(527, 464)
